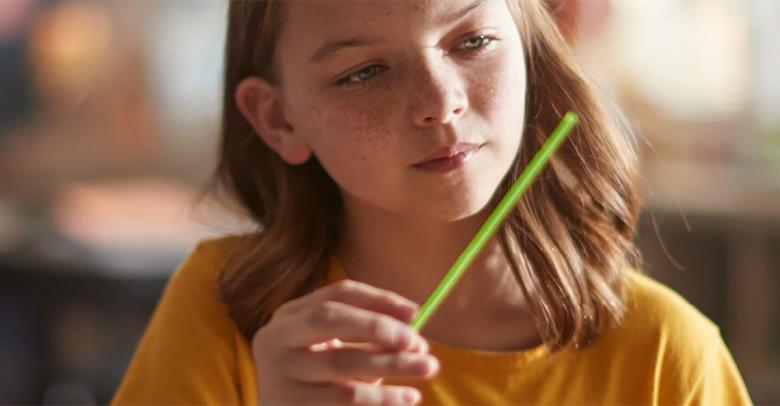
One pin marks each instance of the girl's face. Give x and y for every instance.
(410, 78)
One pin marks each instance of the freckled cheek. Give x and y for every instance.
(367, 124)
(501, 91)
(354, 140)
(500, 99)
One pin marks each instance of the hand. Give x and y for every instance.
(334, 346)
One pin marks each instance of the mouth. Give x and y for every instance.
(449, 151)
(451, 161)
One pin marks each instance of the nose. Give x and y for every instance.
(438, 95)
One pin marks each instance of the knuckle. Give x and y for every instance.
(399, 362)
(285, 307)
(325, 314)
(344, 287)
(383, 327)
(391, 298)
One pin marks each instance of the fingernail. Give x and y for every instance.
(420, 345)
(411, 396)
(424, 344)
(436, 365)
(431, 364)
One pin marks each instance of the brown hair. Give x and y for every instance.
(575, 223)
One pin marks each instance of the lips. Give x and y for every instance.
(449, 152)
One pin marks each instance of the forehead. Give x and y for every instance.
(310, 24)
(323, 11)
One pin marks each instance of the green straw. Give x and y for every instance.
(491, 225)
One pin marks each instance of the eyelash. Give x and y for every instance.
(344, 82)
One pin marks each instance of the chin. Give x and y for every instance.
(455, 210)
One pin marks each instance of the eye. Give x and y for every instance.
(361, 77)
(477, 43)
(365, 76)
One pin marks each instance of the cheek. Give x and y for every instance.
(353, 142)
(366, 125)
(500, 99)
(500, 94)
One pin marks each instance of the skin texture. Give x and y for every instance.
(431, 81)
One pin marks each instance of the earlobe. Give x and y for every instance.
(260, 104)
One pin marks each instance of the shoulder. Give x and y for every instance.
(677, 348)
(169, 364)
(193, 289)
(657, 308)
(202, 265)
(658, 319)
(220, 246)
(214, 251)
(191, 304)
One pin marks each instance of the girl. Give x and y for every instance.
(336, 118)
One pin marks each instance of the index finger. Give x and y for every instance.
(361, 295)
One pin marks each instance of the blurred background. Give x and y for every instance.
(109, 115)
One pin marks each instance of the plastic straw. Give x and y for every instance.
(494, 221)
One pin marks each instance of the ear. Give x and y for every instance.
(261, 105)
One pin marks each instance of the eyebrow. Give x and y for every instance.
(331, 47)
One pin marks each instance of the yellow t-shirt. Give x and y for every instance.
(666, 352)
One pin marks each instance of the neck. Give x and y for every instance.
(411, 256)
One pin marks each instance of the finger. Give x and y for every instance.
(353, 364)
(420, 346)
(361, 295)
(327, 345)
(331, 319)
(358, 393)
(368, 394)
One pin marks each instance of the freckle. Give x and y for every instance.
(316, 110)
(491, 91)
